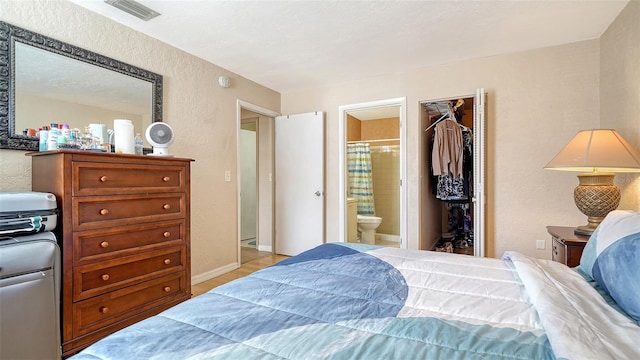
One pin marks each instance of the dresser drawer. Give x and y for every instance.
(90, 178)
(96, 279)
(96, 212)
(107, 309)
(101, 245)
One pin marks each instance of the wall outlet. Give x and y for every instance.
(540, 244)
(227, 176)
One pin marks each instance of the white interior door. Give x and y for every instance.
(299, 176)
(479, 175)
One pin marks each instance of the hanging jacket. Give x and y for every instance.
(447, 154)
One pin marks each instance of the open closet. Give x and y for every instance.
(452, 187)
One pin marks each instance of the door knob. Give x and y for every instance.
(318, 193)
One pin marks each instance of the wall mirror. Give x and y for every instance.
(45, 81)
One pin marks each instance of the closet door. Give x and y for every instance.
(479, 175)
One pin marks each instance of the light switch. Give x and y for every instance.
(227, 176)
(540, 244)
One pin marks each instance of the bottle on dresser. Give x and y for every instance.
(52, 138)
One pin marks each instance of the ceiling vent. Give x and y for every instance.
(134, 8)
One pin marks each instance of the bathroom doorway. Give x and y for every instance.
(372, 169)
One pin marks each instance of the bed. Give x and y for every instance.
(353, 301)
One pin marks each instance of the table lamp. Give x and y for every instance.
(597, 154)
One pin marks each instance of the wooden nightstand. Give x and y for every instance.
(566, 246)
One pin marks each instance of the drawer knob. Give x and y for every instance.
(104, 211)
(166, 206)
(103, 178)
(104, 309)
(167, 261)
(105, 277)
(166, 178)
(167, 288)
(104, 244)
(166, 234)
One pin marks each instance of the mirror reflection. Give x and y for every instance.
(51, 88)
(48, 81)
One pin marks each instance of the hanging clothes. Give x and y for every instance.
(447, 153)
(451, 155)
(460, 224)
(360, 177)
(452, 188)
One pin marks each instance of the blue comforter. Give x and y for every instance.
(341, 301)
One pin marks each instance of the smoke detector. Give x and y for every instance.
(134, 8)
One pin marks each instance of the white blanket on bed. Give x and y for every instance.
(578, 321)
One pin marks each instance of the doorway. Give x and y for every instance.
(453, 207)
(248, 182)
(299, 134)
(255, 191)
(375, 129)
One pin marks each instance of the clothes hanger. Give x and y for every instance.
(449, 115)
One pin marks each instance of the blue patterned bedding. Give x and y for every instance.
(345, 301)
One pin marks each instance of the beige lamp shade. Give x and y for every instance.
(598, 154)
(598, 150)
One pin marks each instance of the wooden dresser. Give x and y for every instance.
(124, 233)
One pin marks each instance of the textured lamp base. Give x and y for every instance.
(595, 196)
(587, 229)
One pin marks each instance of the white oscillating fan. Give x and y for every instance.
(160, 136)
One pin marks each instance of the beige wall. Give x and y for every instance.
(202, 114)
(537, 100)
(620, 90)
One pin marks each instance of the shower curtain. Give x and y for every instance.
(360, 178)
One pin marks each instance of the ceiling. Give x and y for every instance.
(288, 45)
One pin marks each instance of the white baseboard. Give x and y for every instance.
(387, 237)
(213, 273)
(267, 248)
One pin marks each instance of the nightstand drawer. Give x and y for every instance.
(566, 245)
(559, 253)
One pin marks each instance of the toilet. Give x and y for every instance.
(367, 226)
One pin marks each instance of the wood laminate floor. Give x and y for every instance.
(252, 260)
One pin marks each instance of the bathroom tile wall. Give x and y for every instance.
(385, 163)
